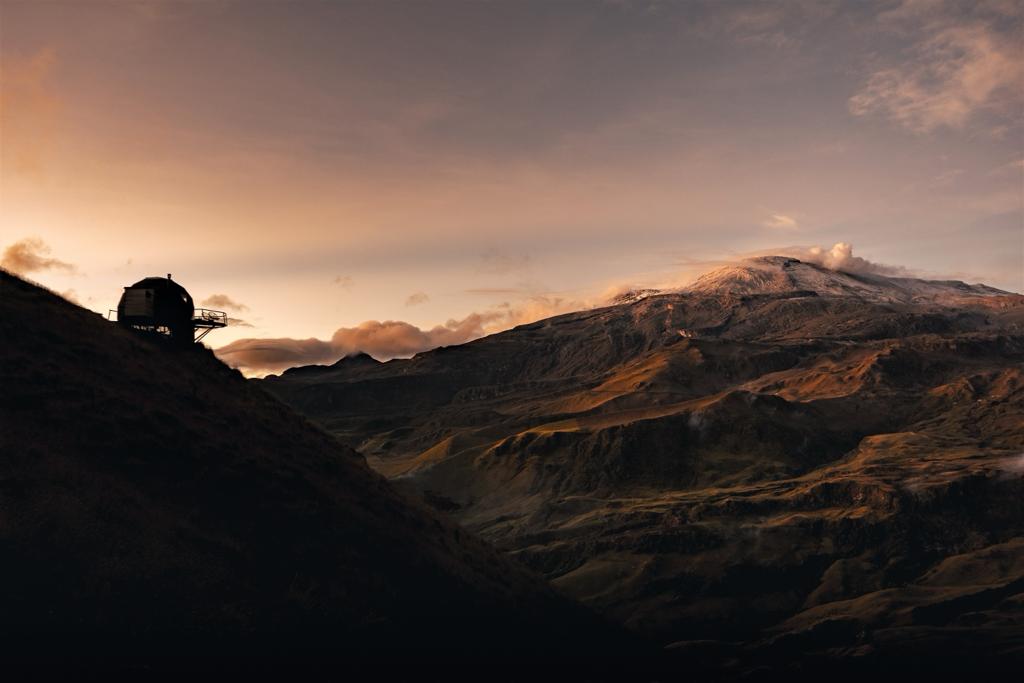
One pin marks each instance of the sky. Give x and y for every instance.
(391, 176)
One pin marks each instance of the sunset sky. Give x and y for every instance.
(324, 164)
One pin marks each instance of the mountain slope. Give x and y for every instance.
(778, 450)
(155, 504)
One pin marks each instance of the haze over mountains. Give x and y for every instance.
(780, 460)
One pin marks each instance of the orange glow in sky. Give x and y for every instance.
(327, 164)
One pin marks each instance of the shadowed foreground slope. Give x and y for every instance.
(153, 503)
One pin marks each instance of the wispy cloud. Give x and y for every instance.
(776, 25)
(223, 301)
(417, 298)
(780, 221)
(1015, 167)
(762, 23)
(957, 68)
(343, 281)
(31, 255)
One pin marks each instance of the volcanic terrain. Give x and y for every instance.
(779, 466)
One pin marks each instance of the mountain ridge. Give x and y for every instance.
(635, 453)
(781, 277)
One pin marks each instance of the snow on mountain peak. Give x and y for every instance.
(632, 295)
(777, 274)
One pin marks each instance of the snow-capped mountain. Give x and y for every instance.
(776, 274)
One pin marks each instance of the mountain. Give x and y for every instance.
(158, 510)
(779, 466)
(778, 274)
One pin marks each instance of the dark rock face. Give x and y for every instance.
(775, 463)
(156, 508)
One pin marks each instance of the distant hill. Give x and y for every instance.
(780, 466)
(157, 509)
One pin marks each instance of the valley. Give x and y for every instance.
(780, 455)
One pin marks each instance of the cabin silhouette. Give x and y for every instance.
(161, 306)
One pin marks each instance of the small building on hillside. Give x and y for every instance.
(162, 306)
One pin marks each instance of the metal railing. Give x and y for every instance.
(204, 317)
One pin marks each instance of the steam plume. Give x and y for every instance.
(840, 257)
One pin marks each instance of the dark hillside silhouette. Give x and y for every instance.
(155, 505)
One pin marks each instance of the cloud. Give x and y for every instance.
(393, 338)
(30, 255)
(238, 322)
(267, 355)
(761, 23)
(780, 221)
(343, 281)
(837, 257)
(417, 298)
(537, 308)
(776, 25)
(840, 257)
(382, 340)
(958, 68)
(388, 339)
(224, 302)
(1015, 167)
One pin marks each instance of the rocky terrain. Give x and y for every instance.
(158, 512)
(777, 468)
